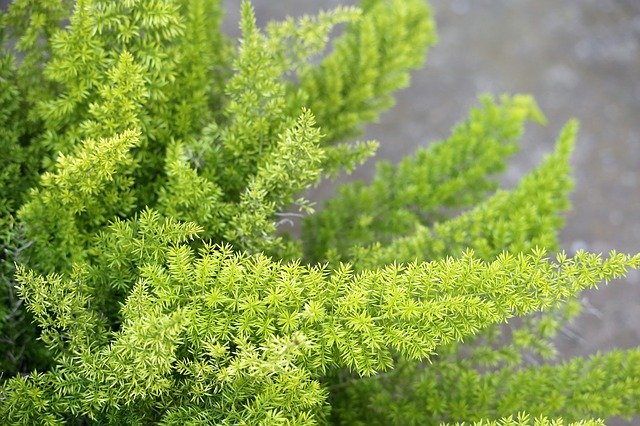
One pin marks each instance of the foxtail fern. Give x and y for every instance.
(148, 166)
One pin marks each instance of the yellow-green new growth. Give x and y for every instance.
(251, 327)
(149, 165)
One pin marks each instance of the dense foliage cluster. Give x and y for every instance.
(148, 166)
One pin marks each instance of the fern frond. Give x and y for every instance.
(516, 220)
(453, 173)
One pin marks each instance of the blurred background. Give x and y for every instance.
(579, 58)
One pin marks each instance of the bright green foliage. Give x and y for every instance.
(523, 419)
(369, 62)
(454, 173)
(85, 192)
(148, 169)
(454, 388)
(32, 26)
(236, 337)
(519, 220)
(354, 83)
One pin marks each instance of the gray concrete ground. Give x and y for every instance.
(579, 58)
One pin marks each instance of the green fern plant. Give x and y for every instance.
(147, 163)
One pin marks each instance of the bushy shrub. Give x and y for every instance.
(147, 164)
